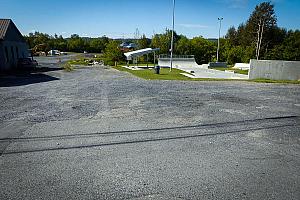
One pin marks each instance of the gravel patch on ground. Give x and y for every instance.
(96, 132)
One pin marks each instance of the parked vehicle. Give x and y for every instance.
(53, 53)
(27, 63)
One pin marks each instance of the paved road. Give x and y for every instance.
(96, 133)
(53, 61)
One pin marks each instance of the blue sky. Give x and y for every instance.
(118, 18)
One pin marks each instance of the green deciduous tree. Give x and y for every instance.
(98, 45)
(163, 41)
(113, 52)
(183, 46)
(260, 25)
(289, 49)
(203, 50)
(143, 42)
(37, 38)
(76, 44)
(232, 36)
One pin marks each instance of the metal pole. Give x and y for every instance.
(172, 40)
(220, 19)
(147, 60)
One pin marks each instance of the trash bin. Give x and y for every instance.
(156, 69)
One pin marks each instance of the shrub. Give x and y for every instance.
(68, 67)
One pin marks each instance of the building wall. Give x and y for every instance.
(274, 69)
(10, 52)
(2, 57)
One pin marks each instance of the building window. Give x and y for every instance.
(6, 54)
(17, 52)
(12, 52)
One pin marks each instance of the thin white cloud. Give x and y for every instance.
(114, 35)
(235, 3)
(193, 26)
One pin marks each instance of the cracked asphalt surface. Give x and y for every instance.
(97, 133)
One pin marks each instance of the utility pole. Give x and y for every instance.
(172, 40)
(220, 19)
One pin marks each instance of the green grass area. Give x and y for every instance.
(149, 74)
(238, 71)
(141, 64)
(165, 74)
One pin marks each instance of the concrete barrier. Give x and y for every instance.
(217, 64)
(274, 69)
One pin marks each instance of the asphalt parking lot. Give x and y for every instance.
(97, 133)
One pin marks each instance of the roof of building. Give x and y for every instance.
(4, 26)
(134, 54)
(128, 45)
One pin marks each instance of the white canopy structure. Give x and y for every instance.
(134, 54)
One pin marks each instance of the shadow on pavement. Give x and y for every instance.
(19, 78)
(113, 143)
(154, 138)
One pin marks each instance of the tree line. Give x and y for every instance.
(73, 44)
(259, 37)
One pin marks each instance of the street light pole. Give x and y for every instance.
(172, 40)
(220, 19)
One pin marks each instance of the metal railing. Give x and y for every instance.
(176, 56)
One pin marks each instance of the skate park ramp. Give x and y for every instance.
(189, 65)
(242, 66)
(213, 74)
(179, 62)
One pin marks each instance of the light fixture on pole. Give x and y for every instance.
(172, 40)
(220, 19)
